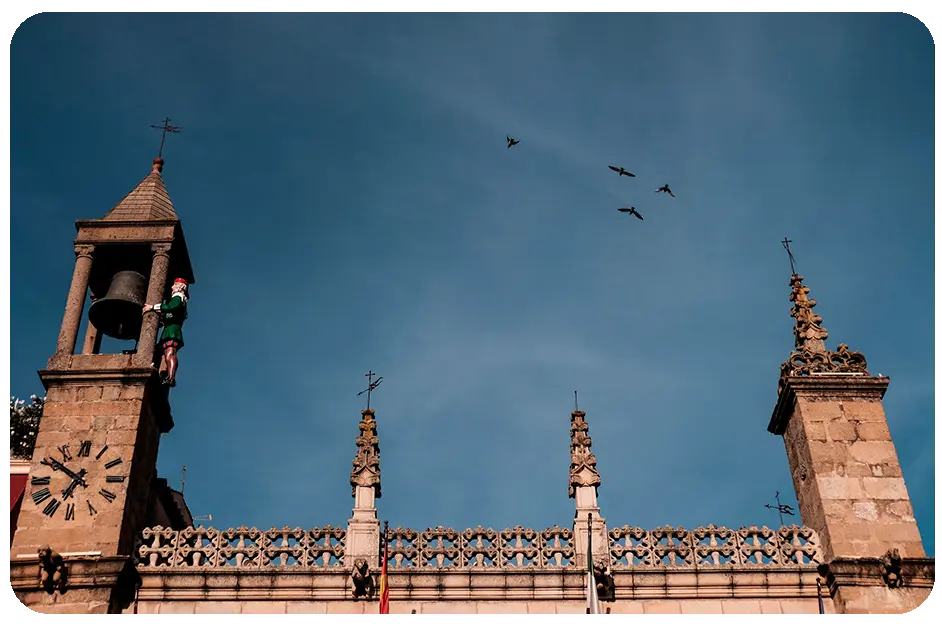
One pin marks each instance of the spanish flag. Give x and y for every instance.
(384, 576)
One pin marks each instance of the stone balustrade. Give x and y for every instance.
(206, 548)
(630, 548)
(790, 545)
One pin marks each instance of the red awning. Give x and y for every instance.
(17, 487)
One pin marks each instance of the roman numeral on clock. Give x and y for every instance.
(115, 478)
(109, 496)
(41, 495)
(70, 512)
(51, 507)
(64, 449)
(40, 481)
(113, 463)
(85, 449)
(101, 452)
(91, 508)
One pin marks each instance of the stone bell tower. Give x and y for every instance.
(96, 449)
(847, 476)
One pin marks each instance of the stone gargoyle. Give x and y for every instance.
(604, 582)
(363, 583)
(53, 571)
(891, 567)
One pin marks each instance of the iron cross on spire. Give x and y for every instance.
(791, 259)
(781, 509)
(166, 126)
(372, 385)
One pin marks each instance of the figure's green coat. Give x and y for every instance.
(172, 314)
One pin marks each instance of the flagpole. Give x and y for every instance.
(591, 588)
(588, 607)
(384, 575)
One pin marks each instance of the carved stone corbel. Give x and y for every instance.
(363, 583)
(53, 572)
(891, 568)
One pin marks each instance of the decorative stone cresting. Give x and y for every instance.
(366, 471)
(208, 548)
(485, 548)
(634, 548)
(582, 469)
(791, 545)
(805, 362)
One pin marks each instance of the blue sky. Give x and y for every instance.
(350, 204)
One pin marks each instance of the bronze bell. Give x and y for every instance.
(118, 314)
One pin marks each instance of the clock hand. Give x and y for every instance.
(56, 465)
(68, 492)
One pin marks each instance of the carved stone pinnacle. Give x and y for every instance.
(809, 334)
(582, 470)
(366, 471)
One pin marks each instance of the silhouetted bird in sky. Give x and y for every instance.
(665, 188)
(621, 171)
(631, 210)
(511, 142)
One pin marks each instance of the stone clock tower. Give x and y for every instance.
(96, 451)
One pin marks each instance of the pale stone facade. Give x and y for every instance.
(858, 551)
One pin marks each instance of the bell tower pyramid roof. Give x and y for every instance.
(149, 201)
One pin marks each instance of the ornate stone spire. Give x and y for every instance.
(809, 334)
(810, 355)
(582, 471)
(366, 473)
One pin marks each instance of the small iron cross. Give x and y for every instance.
(372, 385)
(166, 126)
(791, 259)
(781, 509)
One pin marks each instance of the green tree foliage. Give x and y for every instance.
(24, 424)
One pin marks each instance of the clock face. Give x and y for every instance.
(80, 478)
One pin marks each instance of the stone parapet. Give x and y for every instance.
(541, 607)
(335, 584)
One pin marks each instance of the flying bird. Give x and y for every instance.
(511, 142)
(665, 188)
(621, 171)
(631, 210)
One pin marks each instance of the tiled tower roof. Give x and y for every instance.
(149, 201)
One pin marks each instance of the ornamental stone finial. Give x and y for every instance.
(366, 471)
(582, 469)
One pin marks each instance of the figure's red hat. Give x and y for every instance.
(181, 281)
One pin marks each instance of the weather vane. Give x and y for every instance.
(781, 509)
(372, 385)
(791, 259)
(166, 126)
